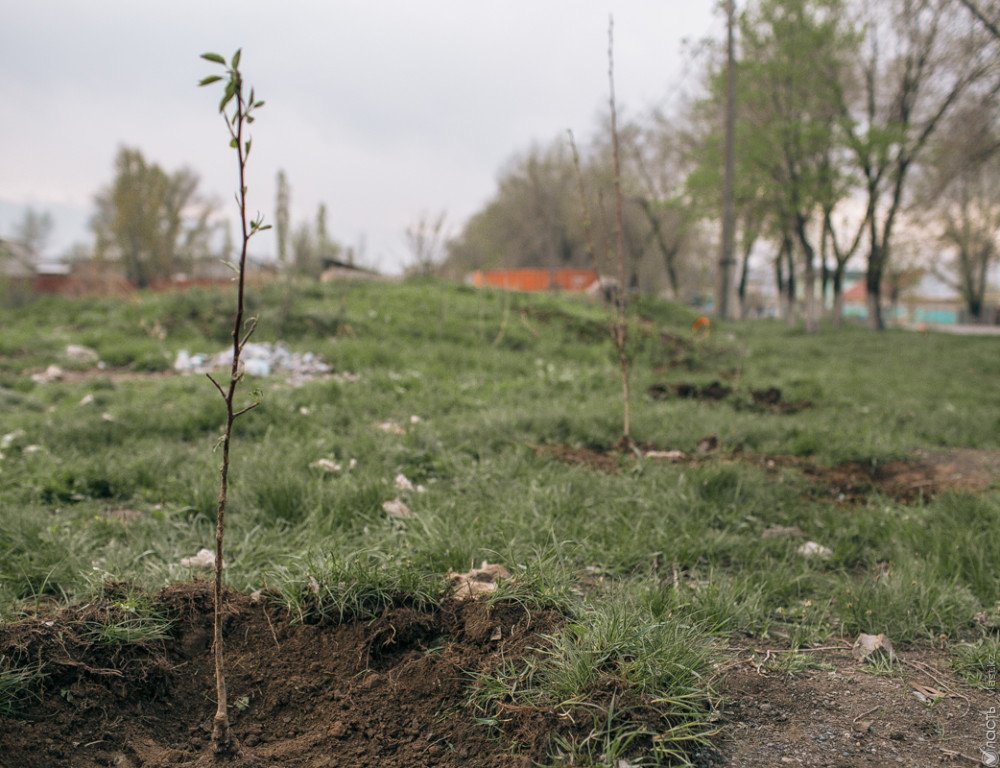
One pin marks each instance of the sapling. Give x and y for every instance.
(238, 112)
(618, 324)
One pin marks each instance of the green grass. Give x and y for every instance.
(17, 683)
(978, 663)
(114, 478)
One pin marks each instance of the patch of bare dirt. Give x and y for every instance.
(920, 478)
(766, 400)
(841, 716)
(390, 692)
(582, 457)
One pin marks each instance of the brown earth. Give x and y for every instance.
(921, 477)
(389, 692)
(842, 715)
(394, 692)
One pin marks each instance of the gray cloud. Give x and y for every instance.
(381, 109)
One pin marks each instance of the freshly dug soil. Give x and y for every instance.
(389, 692)
(394, 692)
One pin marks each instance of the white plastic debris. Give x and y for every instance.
(666, 455)
(80, 354)
(477, 581)
(327, 465)
(204, 559)
(397, 509)
(87, 399)
(403, 484)
(8, 440)
(50, 374)
(415, 419)
(873, 648)
(812, 549)
(260, 360)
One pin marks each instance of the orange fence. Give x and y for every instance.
(533, 280)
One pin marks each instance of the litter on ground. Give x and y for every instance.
(477, 581)
(397, 509)
(812, 549)
(204, 559)
(264, 359)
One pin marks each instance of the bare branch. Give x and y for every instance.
(217, 386)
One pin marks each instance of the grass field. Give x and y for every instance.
(500, 407)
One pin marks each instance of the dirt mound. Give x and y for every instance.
(390, 692)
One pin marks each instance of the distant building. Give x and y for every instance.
(21, 270)
(922, 300)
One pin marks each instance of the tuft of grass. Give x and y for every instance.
(910, 603)
(128, 618)
(616, 662)
(17, 684)
(978, 663)
(356, 586)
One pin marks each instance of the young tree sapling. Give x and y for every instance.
(238, 111)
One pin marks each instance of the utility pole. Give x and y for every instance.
(726, 260)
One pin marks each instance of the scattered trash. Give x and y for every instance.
(783, 531)
(497, 635)
(256, 595)
(415, 419)
(263, 359)
(10, 438)
(403, 484)
(390, 428)
(77, 353)
(477, 581)
(872, 648)
(87, 399)
(304, 411)
(397, 509)
(812, 549)
(666, 455)
(107, 417)
(327, 465)
(50, 374)
(352, 463)
(204, 559)
(927, 694)
(30, 449)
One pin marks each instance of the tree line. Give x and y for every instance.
(864, 133)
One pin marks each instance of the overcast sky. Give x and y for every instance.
(382, 109)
